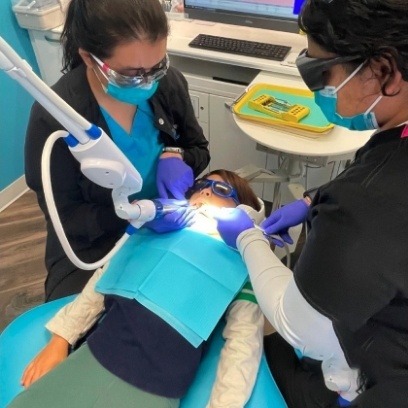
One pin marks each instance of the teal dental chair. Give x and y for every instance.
(26, 335)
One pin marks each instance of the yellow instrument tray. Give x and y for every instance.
(314, 122)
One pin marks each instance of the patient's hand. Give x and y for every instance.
(50, 356)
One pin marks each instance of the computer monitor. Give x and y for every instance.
(279, 15)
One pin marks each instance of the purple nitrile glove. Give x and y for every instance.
(174, 177)
(231, 222)
(179, 219)
(283, 218)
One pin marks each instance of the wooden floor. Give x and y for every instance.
(22, 246)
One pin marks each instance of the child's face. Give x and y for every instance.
(207, 196)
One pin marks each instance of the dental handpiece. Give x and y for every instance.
(274, 239)
(168, 208)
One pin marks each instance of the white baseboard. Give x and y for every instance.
(12, 192)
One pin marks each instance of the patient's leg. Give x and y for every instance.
(80, 381)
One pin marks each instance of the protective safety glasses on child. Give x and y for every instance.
(219, 188)
(142, 77)
(312, 70)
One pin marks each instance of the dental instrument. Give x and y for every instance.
(101, 160)
(272, 238)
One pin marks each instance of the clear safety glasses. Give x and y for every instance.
(313, 70)
(142, 76)
(219, 188)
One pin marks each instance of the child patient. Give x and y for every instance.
(136, 359)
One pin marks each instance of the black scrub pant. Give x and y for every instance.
(69, 285)
(300, 381)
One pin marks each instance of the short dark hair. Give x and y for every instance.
(98, 26)
(370, 29)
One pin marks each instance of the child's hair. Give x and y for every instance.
(98, 26)
(245, 193)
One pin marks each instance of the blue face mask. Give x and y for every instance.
(326, 99)
(133, 95)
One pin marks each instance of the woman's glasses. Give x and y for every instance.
(219, 188)
(312, 70)
(142, 76)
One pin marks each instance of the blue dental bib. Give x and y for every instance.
(185, 277)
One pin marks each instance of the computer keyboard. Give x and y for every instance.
(240, 47)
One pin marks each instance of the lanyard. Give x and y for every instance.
(404, 132)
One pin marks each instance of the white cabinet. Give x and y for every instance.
(200, 101)
(48, 52)
(213, 87)
(230, 148)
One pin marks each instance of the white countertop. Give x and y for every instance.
(183, 31)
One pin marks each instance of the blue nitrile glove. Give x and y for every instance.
(174, 177)
(231, 222)
(173, 221)
(283, 218)
(343, 402)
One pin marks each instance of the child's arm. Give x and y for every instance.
(76, 318)
(241, 354)
(67, 326)
(50, 356)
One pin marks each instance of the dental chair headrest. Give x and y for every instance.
(256, 216)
